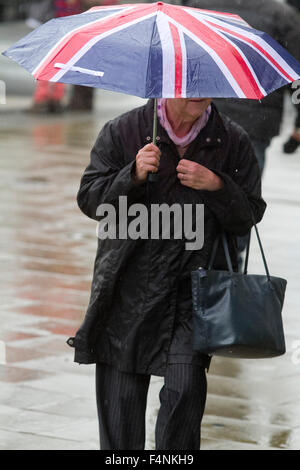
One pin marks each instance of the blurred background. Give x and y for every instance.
(47, 255)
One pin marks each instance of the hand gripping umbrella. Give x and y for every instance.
(155, 50)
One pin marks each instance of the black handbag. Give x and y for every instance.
(237, 314)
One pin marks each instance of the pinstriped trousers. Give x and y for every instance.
(122, 399)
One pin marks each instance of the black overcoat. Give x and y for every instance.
(139, 314)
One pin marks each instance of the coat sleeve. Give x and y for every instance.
(107, 176)
(240, 197)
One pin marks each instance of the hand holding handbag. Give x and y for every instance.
(237, 314)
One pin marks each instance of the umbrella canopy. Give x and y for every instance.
(157, 50)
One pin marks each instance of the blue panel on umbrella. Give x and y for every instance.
(204, 78)
(123, 57)
(155, 67)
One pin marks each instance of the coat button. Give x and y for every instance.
(208, 139)
(157, 137)
(219, 140)
(70, 342)
(148, 138)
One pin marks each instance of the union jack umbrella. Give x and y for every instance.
(156, 50)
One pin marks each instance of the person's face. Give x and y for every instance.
(189, 109)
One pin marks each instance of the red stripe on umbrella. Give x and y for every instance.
(178, 60)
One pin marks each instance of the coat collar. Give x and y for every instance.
(213, 134)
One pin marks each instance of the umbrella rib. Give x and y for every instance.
(96, 73)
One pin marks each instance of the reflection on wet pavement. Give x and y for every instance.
(48, 248)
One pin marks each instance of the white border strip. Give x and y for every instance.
(79, 69)
(168, 55)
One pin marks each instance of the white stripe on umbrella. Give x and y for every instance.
(184, 63)
(226, 72)
(209, 14)
(168, 56)
(264, 44)
(76, 57)
(70, 33)
(263, 91)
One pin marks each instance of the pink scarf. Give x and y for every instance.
(192, 134)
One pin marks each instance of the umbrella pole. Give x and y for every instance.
(154, 121)
(153, 177)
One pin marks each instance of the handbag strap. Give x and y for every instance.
(214, 251)
(261, 250)
(247, 253)
(226, 250)
(227, 255)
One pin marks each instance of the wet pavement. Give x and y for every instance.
(47, 254)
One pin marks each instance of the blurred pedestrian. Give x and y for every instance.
(48, 96)
(82, 96)
(294, 141)
(67, 7)
(261, 119)
(1, 11)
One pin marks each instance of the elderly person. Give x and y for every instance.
(139, 320)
